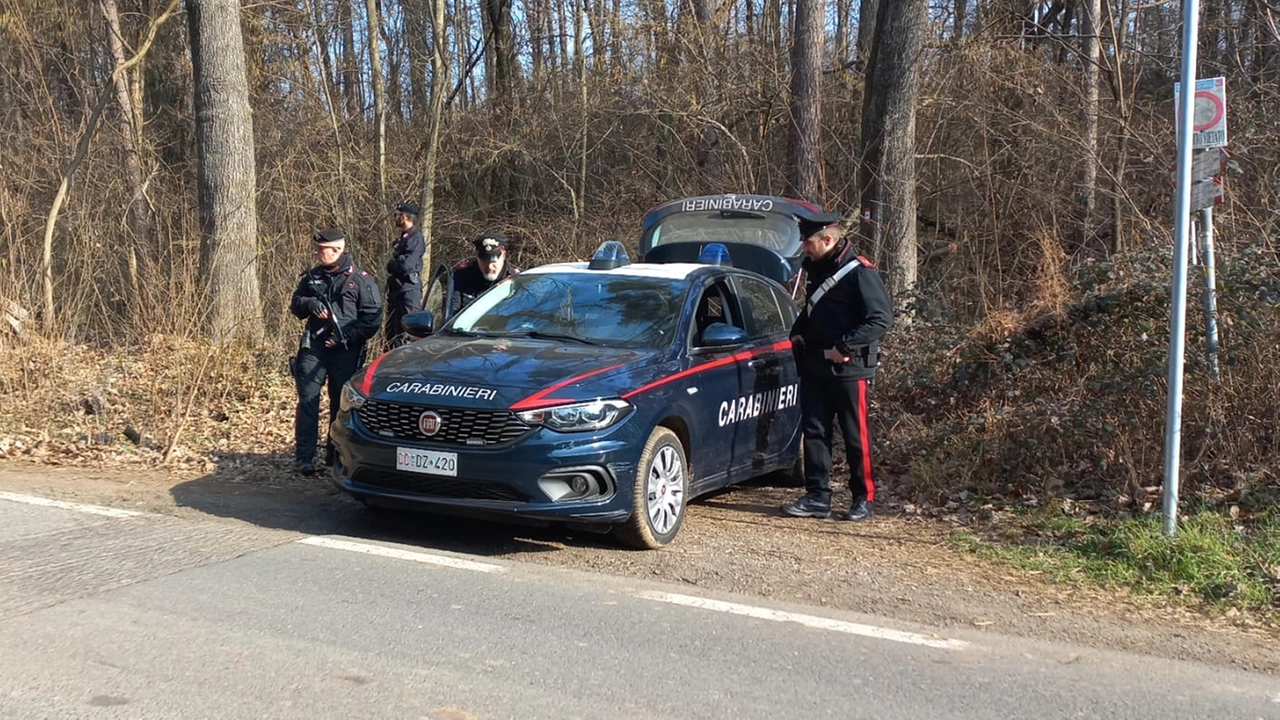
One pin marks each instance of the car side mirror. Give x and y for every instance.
(721, 335)
(420, 324)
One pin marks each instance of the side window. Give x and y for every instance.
(760, 308)
(713, 307)
(789, 306)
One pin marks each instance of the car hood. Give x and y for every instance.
(519, 373)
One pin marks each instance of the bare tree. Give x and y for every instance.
(867, 11)
(439, 88)
(887, 176)
(1090, 59)
(130, 127)
(379, 100)
(227, 174)
(804, 158)
(82, 148)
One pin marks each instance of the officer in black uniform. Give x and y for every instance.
(489, 267)
(404, 270)
(343, 309)
(836, 342)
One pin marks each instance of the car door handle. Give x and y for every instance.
(760, 362)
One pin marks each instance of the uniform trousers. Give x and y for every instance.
(825, 400)
(312, 368)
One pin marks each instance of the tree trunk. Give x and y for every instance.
(804, 159)
(580, 62)
(379, 101)
(415, 19)
(350, 65)
(867, 10)
(139, 222)
(439, 88)
(1090, 58)
(501, 49)
(227, 177)
(887, 176)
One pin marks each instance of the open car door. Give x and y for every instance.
(437, 305)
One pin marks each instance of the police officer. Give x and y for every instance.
(477, 274)
(404, 269)
(343, 309)
(836, 342)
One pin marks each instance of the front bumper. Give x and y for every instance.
(516, 479)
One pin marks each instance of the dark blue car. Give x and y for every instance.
(607, 393)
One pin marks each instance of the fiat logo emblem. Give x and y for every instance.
(429, 423)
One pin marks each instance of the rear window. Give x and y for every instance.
(776, 232)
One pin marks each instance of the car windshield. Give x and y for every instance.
(587, 307)
(771, 230)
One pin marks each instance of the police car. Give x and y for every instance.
(607, 393)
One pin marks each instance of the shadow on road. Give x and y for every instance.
(266, 491)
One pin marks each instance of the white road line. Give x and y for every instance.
(812, 621)
(77, 507)
(390, 552)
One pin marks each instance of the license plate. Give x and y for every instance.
(429, 462)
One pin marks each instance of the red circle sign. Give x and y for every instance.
(1207, 111)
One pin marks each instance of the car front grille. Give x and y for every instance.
(437, 486)
(457, 426)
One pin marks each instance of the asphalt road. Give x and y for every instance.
(116, 615)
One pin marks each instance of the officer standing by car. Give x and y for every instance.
(489, 267)
(836, 340)
(404, 270)
(343, 308)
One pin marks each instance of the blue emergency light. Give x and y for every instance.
(715, 254)
(608, 256)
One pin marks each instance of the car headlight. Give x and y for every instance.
(351, 398)
(579, 417)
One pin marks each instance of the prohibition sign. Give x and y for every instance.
(1208, 111)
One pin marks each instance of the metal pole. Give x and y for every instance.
(1178, 310)
(1210, 294)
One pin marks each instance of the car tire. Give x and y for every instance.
(658, 494)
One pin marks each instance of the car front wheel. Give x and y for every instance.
(658, 494)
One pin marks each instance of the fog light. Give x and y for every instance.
(579, 484)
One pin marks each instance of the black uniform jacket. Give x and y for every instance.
(405, 266)
(851, 316)
(352, 297)
(468, 281)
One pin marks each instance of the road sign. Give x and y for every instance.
(1209, 114)
(1204, 164)
(1205, 193)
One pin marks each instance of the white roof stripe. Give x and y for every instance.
(674, 271)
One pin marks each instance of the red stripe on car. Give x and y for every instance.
(747, 355)
(541, 399)
(366, 384)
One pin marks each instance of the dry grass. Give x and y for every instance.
(165, 402)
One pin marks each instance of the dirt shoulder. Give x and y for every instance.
(893, 566)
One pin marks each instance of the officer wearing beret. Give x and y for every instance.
(489, 267)
(836, 341)
(404, 271)
(343, 308)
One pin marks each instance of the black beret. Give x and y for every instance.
(489, 245)
(407, 209)
(328, 235)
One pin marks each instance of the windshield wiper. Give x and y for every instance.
(540, 335)
(464, 333)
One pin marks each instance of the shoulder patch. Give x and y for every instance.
(364, 274)
(865, 262)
